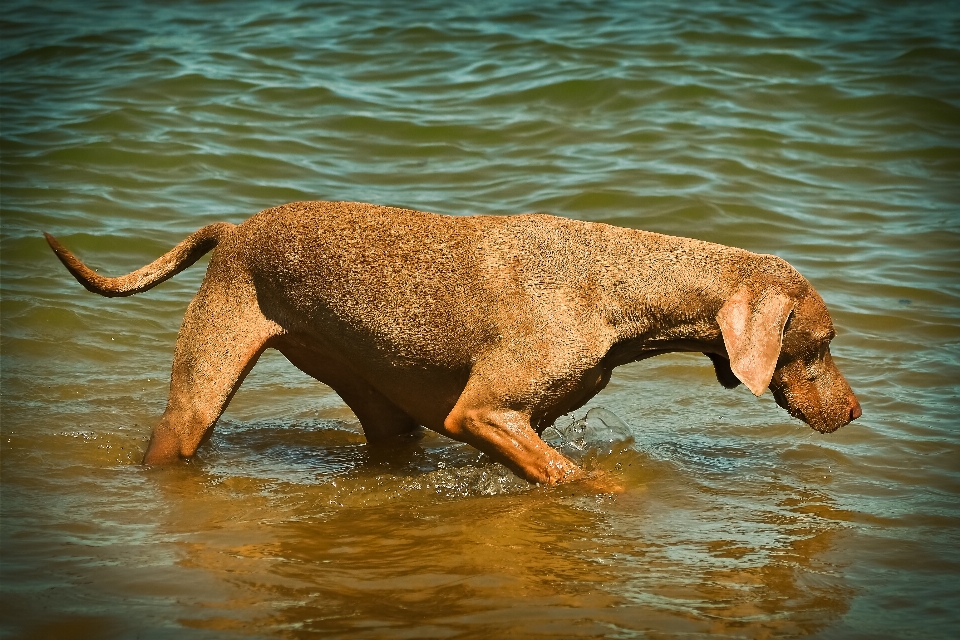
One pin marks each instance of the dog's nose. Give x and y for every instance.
(855, 411)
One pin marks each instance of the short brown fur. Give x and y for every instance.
(483, 328)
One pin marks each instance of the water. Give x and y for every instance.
(827, 133)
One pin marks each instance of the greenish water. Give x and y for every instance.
(827, 133)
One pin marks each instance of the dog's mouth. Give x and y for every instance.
(824, 427)
(819, 423)
(783, 401)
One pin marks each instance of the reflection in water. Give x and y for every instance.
(438, 540)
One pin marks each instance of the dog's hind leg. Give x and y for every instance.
(222, 336)
(382, 421)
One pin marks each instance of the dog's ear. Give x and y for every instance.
(752, 327)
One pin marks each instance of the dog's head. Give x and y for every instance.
(782, 341)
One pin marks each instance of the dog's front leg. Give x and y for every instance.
(506, 436)
(530, 376)
(490, 415)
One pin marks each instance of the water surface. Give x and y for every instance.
(828, 134)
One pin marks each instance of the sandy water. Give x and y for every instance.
(828, 134)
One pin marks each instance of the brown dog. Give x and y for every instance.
(485, 329)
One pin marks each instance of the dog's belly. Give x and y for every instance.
(426, 393)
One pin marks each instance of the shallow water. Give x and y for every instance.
(827, 134)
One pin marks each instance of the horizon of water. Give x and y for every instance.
(825, 133)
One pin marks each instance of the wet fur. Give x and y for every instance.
(482, 328)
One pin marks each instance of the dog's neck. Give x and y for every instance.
(667, 300)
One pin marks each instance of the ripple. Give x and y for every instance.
(823, 133)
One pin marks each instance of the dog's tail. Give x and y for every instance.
(163, 268)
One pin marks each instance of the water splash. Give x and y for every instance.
(598, 433)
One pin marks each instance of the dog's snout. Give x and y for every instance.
(855, 411)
